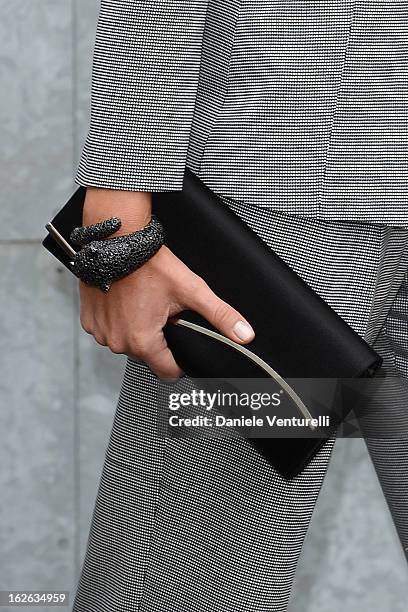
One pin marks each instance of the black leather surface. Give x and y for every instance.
(297, 333)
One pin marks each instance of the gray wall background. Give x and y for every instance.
(58, 389)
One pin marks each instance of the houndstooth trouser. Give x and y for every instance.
(209, 525)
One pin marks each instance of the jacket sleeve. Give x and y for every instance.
(144, 82)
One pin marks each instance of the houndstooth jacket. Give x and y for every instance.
(300, 105)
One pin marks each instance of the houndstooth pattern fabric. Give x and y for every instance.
(209, 525)
(298, 105)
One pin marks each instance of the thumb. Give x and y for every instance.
(221, 315)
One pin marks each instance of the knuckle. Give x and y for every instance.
(99, 338)
(221, 312)
(86, 325)
(197, 290)
(141, 344)
(117, 346)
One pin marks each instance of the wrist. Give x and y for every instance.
(133, 208)
(106, 256)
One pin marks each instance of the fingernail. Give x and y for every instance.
(243, 330)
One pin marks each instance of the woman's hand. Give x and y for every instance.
(130, 317)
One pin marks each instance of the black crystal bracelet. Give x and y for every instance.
(102, 260)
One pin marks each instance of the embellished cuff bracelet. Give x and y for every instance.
(101, 261)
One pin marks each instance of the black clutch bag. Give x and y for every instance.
(297, 334)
